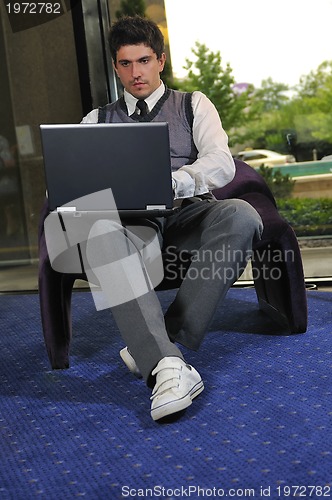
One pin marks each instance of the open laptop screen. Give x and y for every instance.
(133, 159)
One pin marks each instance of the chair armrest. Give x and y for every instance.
(246, 180)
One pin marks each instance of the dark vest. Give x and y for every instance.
(173, 107)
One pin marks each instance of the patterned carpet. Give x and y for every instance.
(261, 427)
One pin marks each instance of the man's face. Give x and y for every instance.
(139, 69)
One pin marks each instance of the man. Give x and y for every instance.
(212, 239)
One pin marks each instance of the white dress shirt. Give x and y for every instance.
(214, 166)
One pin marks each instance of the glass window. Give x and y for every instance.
(39, 83)
(281, 103)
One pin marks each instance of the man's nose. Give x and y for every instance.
(136, 70)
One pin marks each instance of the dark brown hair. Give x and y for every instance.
(134, 31)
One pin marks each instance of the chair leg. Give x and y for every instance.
(55, 290)
(279, 283)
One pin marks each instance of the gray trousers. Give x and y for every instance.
(208, 244)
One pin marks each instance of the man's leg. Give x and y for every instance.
(115, 256)
(218, 235)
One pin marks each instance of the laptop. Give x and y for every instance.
(130, 160)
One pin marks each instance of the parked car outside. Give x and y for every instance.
(257, 157)
(327, 158)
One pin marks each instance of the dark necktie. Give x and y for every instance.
(143, 107)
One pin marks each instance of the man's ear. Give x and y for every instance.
(162, 62)
(114, 67)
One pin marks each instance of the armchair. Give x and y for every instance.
(276, 266)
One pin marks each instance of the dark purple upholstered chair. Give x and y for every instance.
(277, 254)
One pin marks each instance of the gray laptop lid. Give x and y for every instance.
(133, 159)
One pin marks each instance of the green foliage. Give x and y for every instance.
(263, 117)
(131, 8)
(208, 75)
(306, 110)
(259, 117)
(307, 216)
(310, 84)
(271, 96)
(280, 184)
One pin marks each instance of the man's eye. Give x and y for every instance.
(144, 61)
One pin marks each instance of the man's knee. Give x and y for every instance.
(245, 219)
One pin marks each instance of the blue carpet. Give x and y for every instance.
(262, 424)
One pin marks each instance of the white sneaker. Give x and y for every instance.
(130, 362)
(177, 384)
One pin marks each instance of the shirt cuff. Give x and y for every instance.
(183, 184)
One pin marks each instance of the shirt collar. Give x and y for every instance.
(151, 101)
